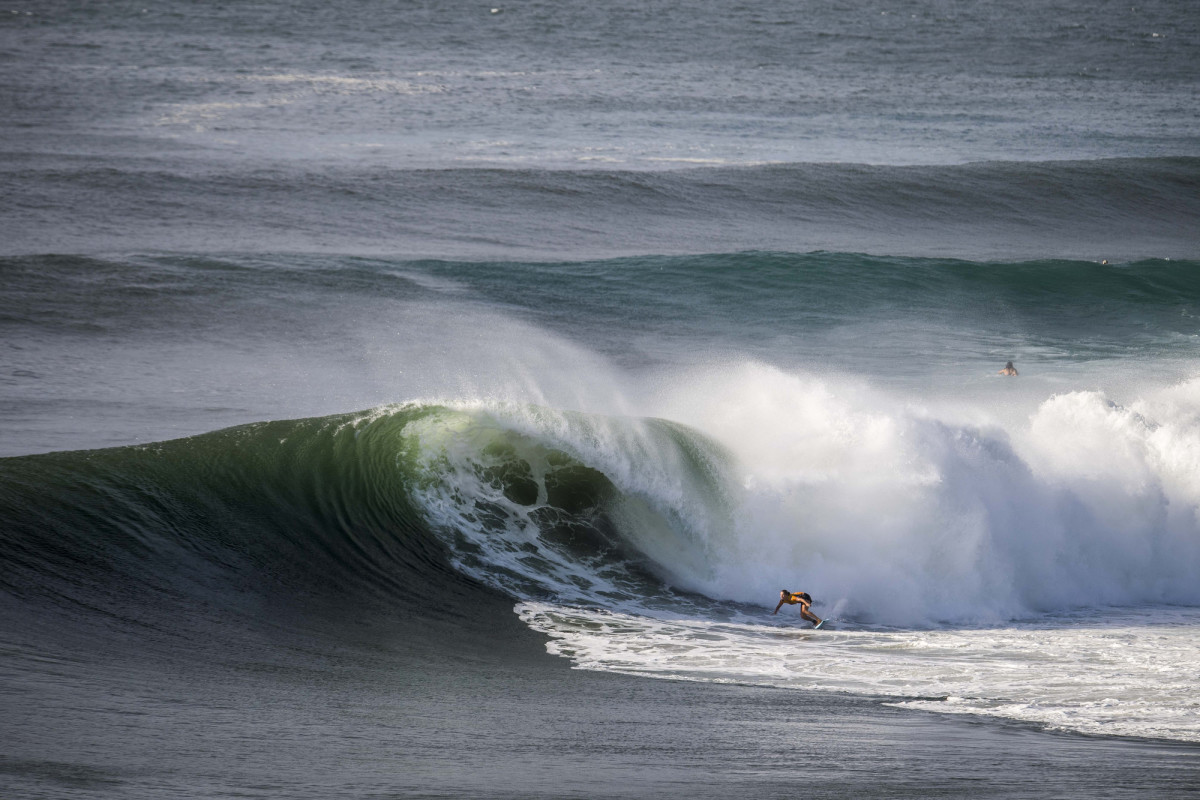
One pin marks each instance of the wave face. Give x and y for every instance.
(298, 505)
(376, 503)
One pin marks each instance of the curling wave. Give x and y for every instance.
(887, 513)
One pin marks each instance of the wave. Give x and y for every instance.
(1114, 208)
(1067, 304)
(885, 513)
(376, 504)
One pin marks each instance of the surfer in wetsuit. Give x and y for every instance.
(1009, 369)
(801, 598)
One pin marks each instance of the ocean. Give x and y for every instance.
(414, 399)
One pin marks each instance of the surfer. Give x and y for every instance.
(803, 598)
(1009, 369)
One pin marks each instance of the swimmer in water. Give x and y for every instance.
(801, 598)
(1009, 369)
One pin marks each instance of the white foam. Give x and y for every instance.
(1131, 673)
(886, 512)
(342, 83)
(907, 518)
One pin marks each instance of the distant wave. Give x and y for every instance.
(1132, 300)
(1118, 208)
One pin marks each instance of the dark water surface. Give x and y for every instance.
(365, 712)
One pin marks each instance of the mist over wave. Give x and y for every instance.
(895, 514)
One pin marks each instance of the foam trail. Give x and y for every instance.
(1130, 673)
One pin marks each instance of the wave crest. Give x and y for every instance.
(885, 512)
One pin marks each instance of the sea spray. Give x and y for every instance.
(902, 517)
(883, 510)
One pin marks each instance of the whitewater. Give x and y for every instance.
(1044, 573)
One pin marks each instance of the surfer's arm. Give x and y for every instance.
(777, 607)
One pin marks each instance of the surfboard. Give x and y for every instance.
(818, 625)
